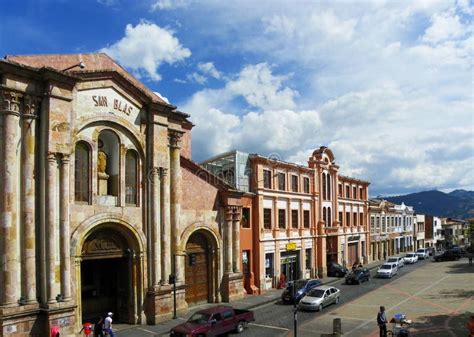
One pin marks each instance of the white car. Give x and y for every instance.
(398, 260)
(411, 258)
(422, 253)
(387, 270)
(319, 297)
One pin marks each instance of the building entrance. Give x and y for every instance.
(105, 287)
(290, 266)
(197, 269)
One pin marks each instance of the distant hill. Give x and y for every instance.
(456, 204)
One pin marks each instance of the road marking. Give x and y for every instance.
(398, 304)
(269, 326)
(149, 331)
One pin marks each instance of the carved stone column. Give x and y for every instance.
(64, 228)
(156, 226)
(175, 175)
(9, 259)
(51, 227)
(228, 239)
(236, 239)
(165, 229)
(28, 265)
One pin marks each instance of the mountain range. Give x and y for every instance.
(457, 204)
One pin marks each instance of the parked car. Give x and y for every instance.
(447, 255)
(336, 270)
(396, 259)
(387, 270)
(411, 258)
(456, 251)
(320, 297)
(214, 321)
(302, 287)
(422, 253)
(357, 276)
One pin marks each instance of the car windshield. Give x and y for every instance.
(386, 266)
(392, 259)
(420, 251)
(316, 293)
(199, 318)
(337, 265)
(410, 255)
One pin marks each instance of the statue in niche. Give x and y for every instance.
(101, 162)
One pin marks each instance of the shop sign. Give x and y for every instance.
(291, 246)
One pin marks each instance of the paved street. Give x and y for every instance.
(438, 297)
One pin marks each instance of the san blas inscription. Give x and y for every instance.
(116, 104)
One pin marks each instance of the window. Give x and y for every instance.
(383, 225)
(227, 314)
(372, 224)
(340, 218)
(324, 215)
(324, 187)
(131, 178)
(267, 218)
(329, 223)
(281, 181)
(281, 218)
(348, 218)
(354, 192)
(354, 215)
(306, 185)
(308, 258)
(339, 186)
(108, 163)
(81, 172)
(306, 222)
(269, 265)
(361, 193)
(328, 187)
(294, 183)
(348, 192)
(294, 218)
(361, 220)
(267, 179)
(245, 217)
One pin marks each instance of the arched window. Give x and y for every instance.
(131, 178)
(328, 177)
(324, 215)
(329, 224)
(324, 188)
(81, 172)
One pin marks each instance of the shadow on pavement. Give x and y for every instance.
(440, 324)
(461, 268)
(454, 293)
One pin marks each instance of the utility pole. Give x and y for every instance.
(295, 308)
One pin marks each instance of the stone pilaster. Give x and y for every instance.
(228, 239)
(64, 228)
(175, 192)
(9, 259)
(51, 227)
(156, 227)
(166, 227)
(28, 265)
(236, 239)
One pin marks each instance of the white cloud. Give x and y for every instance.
(444, 26)
(145, 47)
(208, 68)
(161, 96)
(169, 4)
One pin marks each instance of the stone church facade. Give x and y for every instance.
(100, 201)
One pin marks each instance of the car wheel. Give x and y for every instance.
(240, 327)
(320, 307)
(337, 300)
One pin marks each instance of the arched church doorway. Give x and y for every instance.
(107, 269)
(199, 269)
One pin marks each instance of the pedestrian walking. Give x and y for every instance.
(382, 322)
(108, 325)
(99, 327)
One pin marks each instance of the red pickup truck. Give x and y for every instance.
(213, 322)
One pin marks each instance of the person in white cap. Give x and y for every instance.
(108, 324)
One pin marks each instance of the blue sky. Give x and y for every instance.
(387, 85)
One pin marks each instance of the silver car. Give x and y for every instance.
(398, 260)
(387, 270)
(320, 297)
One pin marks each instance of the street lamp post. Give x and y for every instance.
(172, 280)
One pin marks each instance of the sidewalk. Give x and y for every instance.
(247, 302)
